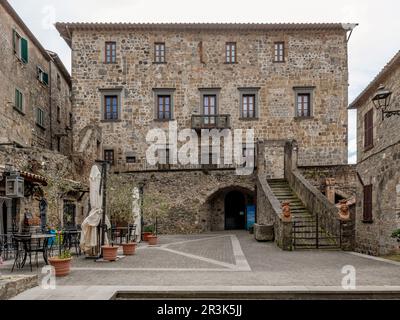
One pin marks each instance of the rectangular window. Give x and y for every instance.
(111, 52)
(367, 208)
(131, 159)
(58, 81)
(42, 76)
(248, 106)
(58, 114)
(59, 144)
(230, 56)
(303, 104)
(70, 120)
(164, 107)
(20, 45)
(109, 156)
(209, 108)
(279, 52)
(111, 107)
(19, 100)
(369, 129)
(40, 117)
(159, 52)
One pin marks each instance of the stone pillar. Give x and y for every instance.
(260, 156)
(330, 189)
(286, 236)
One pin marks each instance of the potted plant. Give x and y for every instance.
(110, 252)
(396, 235)
(61, 262)
(147, 231)
(154, 206)
(119, 207)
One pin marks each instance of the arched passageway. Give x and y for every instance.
(227, 208)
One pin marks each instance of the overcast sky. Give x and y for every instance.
(373, 43)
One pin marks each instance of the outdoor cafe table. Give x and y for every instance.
(45, 237)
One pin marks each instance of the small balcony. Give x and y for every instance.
(218, 121)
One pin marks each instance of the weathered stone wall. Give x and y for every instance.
(345, 177)
(191, 197)
(380, 166)
(61, 98)
(314, 58)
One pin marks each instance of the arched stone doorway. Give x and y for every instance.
(227, 208)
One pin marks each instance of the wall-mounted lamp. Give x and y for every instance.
(381, 101)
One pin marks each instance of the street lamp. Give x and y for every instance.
(381, 101)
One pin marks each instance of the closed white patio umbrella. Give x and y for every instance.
(136, 213)
(89, 235)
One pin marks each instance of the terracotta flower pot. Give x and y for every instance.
(146, 235)
(152, 240)
(129, 248)
(61, 266)
(110, 252)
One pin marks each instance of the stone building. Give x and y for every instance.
(378, 164)
(35, 125)
(35, 103)
(284, 81)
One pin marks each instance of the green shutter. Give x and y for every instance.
(14, 40)
(24, 50)
(45, 78)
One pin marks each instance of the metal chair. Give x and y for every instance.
(23, 249)
(72, 239)
(131, 232)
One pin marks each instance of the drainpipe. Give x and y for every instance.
(50, 106)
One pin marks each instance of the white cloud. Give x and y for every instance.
(371, 46)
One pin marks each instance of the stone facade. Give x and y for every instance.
(315, 58)
(20, 126)
(379, 166)
(315, 62)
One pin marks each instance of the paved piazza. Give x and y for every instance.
(223, 260)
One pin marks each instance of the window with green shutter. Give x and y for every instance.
(24, 50)
(20, 46)
(42, 76)
(18, 100)
(40, 117)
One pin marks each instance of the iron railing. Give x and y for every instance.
(219, 121)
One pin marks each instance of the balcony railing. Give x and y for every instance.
(219, 121)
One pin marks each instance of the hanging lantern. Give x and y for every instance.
(14, 185)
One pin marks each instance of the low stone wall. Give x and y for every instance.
(345, 177)
(10, 286)
(269, 212)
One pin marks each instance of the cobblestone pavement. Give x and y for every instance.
(225, 259)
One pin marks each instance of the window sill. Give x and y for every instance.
(19, 110)
(110, 63)
(40, 126)
(367, 221)
(110, 120)
(303, 118)
(231, 62)
(163, 120)
(19, 59)
(275, 61)
(249, 119)
(154, 62)
(367, 148)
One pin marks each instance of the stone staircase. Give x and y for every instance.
(305, 235)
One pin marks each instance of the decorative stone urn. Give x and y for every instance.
(344, 212)
(286, 213)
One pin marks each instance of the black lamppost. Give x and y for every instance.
(103, 188)
(381, 101)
